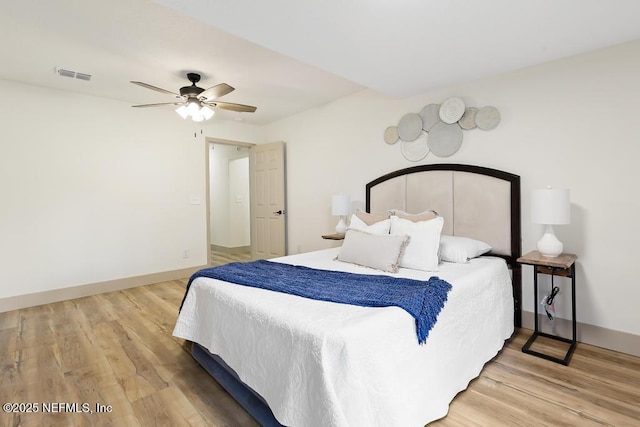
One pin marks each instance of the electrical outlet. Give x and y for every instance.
(195, 200)
(185, 253)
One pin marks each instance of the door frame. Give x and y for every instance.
(211, 140)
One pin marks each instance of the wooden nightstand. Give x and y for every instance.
(562, 265)
(334, 236)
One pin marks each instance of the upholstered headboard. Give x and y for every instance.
(474, 201)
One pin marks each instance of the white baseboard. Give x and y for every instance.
(623, 342)
(63, 294)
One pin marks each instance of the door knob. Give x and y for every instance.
(280, 212)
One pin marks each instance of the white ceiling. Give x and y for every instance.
(287, 56)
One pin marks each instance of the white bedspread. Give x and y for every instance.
(327, 364)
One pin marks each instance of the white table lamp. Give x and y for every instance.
(550, 206)
(341, 206)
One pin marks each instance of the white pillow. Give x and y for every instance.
(461, 249)
(381, 252)
(380, 227)
(421, 252)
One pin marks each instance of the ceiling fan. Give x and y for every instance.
(197, 103)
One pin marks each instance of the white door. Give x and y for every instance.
(268, 204)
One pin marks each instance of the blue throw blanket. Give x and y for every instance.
(423, 300)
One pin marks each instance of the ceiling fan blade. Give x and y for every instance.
(157, 89)
(233, 107)
(216, 91)
(159, 105)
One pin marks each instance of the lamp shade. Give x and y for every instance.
(207, 112)
(550, 206)
(340, 204)
(182, 110)
(195, 110)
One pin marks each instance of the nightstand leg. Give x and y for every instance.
(535, 299)
(526, 348)
(573, 302)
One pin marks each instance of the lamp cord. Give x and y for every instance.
(549, 307)
(554, 292)
(547, 302)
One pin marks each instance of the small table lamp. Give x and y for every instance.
(341, 205)
(550, 206)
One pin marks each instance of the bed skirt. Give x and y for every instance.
(251, 401)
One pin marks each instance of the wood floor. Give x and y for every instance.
(116, 349)
(219, 258)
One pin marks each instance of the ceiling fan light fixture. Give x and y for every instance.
(193, 107)
(207, 112)
(182, 110)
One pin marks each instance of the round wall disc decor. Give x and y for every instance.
(438, 128)
(391, 135)
(468, 119)
(430, 115)
(445, 139)
(451, 110)
(410, 127)
(487, 118)
(415, 150)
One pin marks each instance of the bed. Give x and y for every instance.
(301, 362)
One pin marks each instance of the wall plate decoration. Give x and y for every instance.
(451, 110)
(445, 139)
(415, 150)
(430, 115)
(438, 128)
(488, 118)
(391, 135)
(468, 119)
(409, 127)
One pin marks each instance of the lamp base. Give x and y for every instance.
(549, 245)
(341, 228)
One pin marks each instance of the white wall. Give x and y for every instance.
(93, 190)
(239, 203)
(229, 179)
(569, 124)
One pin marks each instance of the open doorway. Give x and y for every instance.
(229, 201)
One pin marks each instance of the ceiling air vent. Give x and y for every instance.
(73, 74)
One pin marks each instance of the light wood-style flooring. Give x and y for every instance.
(219, 258)
(116, 349)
